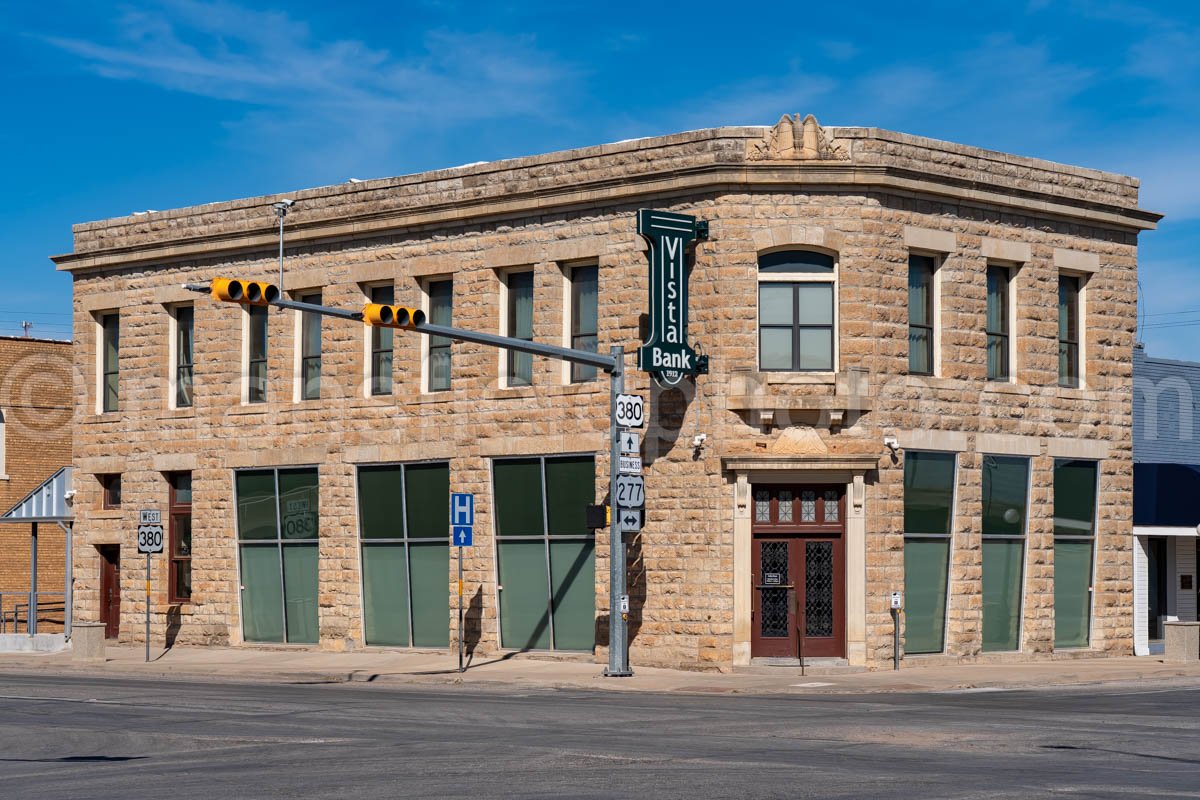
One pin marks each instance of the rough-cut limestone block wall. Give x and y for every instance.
(681, 576)
(35, 400)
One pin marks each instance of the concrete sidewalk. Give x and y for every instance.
(292, 665)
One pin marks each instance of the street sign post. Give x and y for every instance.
(462, 534)
(149, 541)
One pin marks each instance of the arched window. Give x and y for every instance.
(797, 311)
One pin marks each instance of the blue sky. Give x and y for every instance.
(117, 108)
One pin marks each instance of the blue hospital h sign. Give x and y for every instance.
(666, 354)
(462, 509)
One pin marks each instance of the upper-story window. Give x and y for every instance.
(110, 353)
(182, 356)
(256, 354)
(797, 311)
(110, 490)
(999, 339)
(440, 296)
(921, 331)
(583, 322)
(519, 325)
(1068, 330)
(381, 343)
(310, 350)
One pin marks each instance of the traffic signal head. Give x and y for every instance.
(382, 316)
(251, 293)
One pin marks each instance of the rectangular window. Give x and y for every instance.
(381, 344)
(110, 353)
(920, 314)
(1005, 503)
(257, 347)
(997, 323)
(1068, 330)
(441, 312)
(110, 490)
(184, 355)
(403, 513)
(1075, 485)
(545, 552)
(310, 350)
(584, 323)
(795, 326)
(929, 481)
(520, 326)
(180, 517)
(278, 526)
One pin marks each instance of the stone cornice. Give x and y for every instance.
(663, 185)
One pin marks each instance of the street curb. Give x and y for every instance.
(451, 679)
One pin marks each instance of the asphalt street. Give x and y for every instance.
(85, 737)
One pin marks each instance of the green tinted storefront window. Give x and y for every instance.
(546, 552)
(404, 514)
(278, 527)
(928, 511)
(1005, 500)
(1074, 538)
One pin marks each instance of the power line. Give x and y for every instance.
(1187, 324)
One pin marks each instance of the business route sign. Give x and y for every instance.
(666, 355)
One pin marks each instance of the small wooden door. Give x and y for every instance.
(798, 563)
(110, 590)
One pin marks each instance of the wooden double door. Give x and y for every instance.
(799, 572)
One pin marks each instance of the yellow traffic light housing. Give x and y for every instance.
(383, 316)
(251, 293)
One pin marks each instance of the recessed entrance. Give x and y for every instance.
(798, 572)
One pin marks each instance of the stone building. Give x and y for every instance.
(35, 442)
(920, 381)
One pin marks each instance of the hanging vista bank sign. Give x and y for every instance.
(666, 355)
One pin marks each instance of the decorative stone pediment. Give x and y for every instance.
(793, 138)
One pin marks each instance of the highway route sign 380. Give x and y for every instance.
(150, 538)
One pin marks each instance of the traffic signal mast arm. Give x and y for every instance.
(416, 322)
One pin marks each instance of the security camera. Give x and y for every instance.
(284, 203)
(891, 444)
(69, 496)
(699, 439)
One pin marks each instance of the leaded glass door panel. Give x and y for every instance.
(774, 630)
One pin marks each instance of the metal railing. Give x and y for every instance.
(18, 611)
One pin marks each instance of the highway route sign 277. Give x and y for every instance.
(631, 491)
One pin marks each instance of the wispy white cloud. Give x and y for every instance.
(343, 93)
